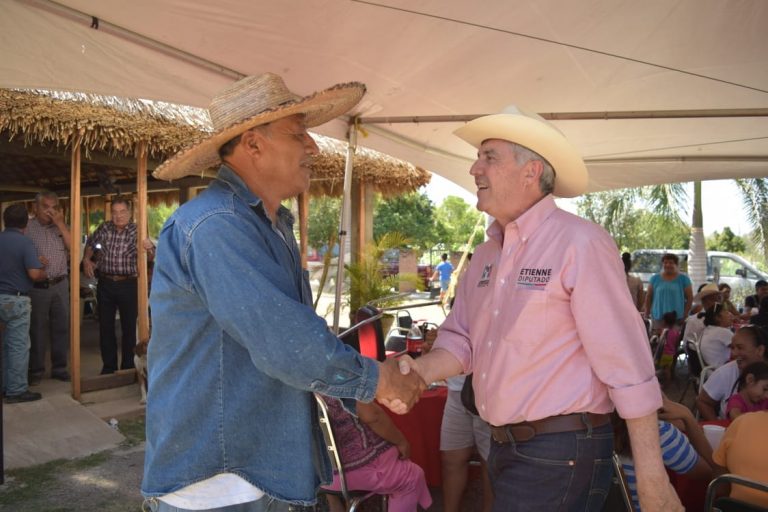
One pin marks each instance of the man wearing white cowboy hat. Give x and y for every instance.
(236, 348)
(544, 322)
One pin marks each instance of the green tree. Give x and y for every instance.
(156, 217)
(457, 220)
(323, 221)
(412, 215)
(726, 241)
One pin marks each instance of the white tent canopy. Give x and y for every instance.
(688, 79)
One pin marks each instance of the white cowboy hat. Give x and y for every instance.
(538, 135)
(253, 101)
(706, 291)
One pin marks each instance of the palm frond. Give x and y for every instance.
(754, 192)
(668, 200)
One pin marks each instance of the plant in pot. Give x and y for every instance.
(371, 281)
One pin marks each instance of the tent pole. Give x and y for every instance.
(344, 222)
(141, 221)
(74, 258)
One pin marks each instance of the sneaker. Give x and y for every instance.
(63, 376)
(27, 396)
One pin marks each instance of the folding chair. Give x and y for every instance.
(728, 504)
(619, 497)
(366, 336)
(351, 498)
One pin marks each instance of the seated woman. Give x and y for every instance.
(743, 451)
(716, 339)
(375, 457)
(749, 345)
(691, 455)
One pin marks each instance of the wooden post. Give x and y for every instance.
(141, 222)
(74, 258)
(303, 226)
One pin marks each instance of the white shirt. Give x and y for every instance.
(720, 385)
(716, 345)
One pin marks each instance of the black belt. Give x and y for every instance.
(43, 285)
(527, 430)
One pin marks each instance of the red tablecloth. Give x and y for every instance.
(421, 426)
(692, 492)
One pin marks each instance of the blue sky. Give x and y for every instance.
(722, 204)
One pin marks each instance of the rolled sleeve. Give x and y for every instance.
(611, 330)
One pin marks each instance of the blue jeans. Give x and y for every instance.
(15, 312)
(568, 471)
(265, 504)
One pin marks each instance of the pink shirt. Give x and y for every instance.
(544, 319)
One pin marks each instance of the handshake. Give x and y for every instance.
(399, 388)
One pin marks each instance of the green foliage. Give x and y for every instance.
(632, 226)
(323, 221)
(367, 281)
(412, 215)
(726, 241)
(156, 217)
(456, 219)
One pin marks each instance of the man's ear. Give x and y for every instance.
(533, 170)
(250, 141)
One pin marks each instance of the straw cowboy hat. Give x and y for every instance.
(535, 133)
(253, 101)
(706, 291)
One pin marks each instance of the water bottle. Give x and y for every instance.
(414, 341)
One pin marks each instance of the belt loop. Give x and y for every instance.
(587, 422)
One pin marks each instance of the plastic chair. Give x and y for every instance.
(728, 504)
(351, 498)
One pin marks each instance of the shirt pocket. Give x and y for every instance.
(527, 316)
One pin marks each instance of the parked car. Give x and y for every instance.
(728, 267)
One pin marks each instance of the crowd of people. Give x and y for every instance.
(34, 284)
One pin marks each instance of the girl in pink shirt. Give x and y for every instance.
(753, 391)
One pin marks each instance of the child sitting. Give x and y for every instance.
(375, 457)
(752, 392)
(670, 339)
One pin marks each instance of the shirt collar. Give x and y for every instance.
(240, 189)
(527, 223)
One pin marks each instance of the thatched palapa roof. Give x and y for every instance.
(115, 126)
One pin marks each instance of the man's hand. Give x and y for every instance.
(398, 391)
(89, 267)
(43, 260)
(56, 215)
(147, 244)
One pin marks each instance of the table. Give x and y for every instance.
(692, 492)
(421, 426)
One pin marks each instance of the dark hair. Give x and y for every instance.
(712, 313)
(758, 335)
(122, 200)
(760, 284)
(670, 256)
(228, 147)
(701, 287)
(763, 305)
(669, 318)
(16, 216)
(758, 370)
(627, 259)
(444, 256)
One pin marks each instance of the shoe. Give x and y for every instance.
(27, 396)
(63, 376)
(34, 380)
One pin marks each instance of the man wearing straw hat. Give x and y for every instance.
(545, 323)
(236, 348)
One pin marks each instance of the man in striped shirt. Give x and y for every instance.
(50, 297)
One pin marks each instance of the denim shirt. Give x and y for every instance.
(237, 350)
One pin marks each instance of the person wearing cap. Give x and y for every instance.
(19, 268)
(236, 348)
(707, 296)
(544, 322)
